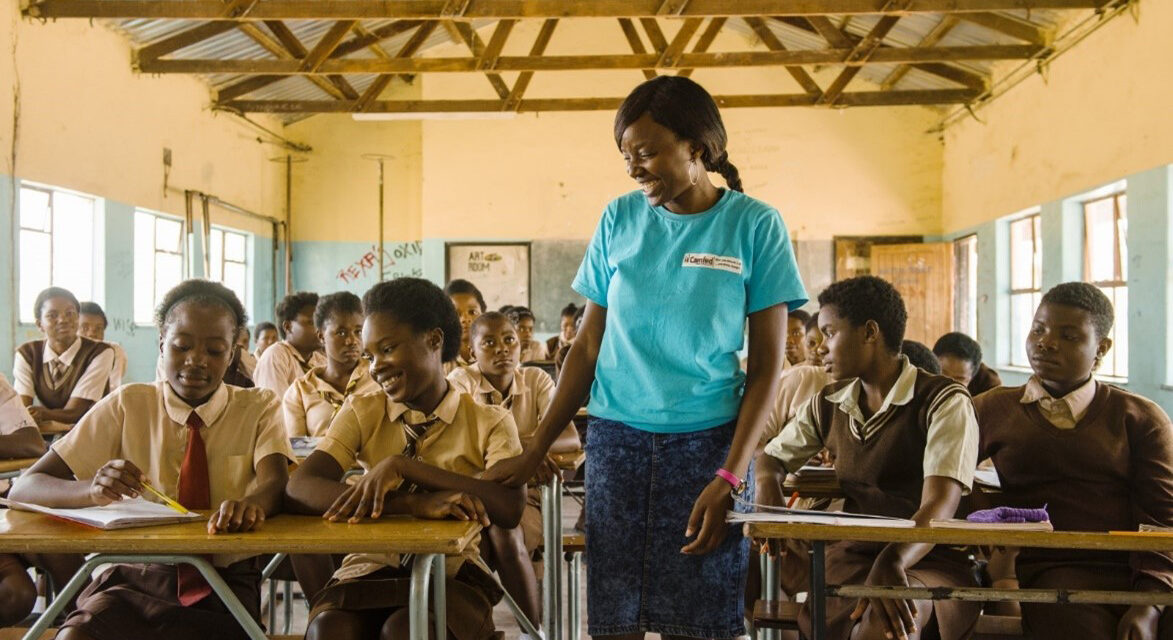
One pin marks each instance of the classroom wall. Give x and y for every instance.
(84, 121)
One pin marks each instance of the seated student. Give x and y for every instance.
(19, 438)
(469, 303)
(566, 330)
(531, 350)
(266, 335)
(961, 359)
(313, 400)
(248, 362)
(283, 363)
(185, 436)
(799, 384)
(921, 356)
(564, 350)
(65, 374)
(497, 379)
(422, 444)
(813, 339)
(92, 324)
(796, 337)
(1100, 458)
(878, 419)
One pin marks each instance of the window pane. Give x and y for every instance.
(1100, 221)
(234, 278)
(1122, 234)
(1037, 249)
(965, 275)
(73, 244)
(34, 271)
(168, 273)
(216, 254)
(167, 234)
(234, 247)
(34, 209)
(1116, 362)
(144, 261)
(1023, 254)
(1022, 311)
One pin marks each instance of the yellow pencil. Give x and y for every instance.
(167, 501)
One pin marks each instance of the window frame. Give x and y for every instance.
(155, 251)
(965, 306)
(1035, 291)
(1119, 282)
(247, 263)
(97, 291)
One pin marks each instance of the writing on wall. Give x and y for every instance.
(399, 260)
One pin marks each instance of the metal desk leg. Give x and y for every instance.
(440, 596)
(219, 587)
(287, 604)
(769, 584)
(417, 607)
(555, 548)
(574, 569)
(549, 569)
(272, 604)
(818, 592)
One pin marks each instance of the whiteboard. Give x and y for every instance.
(500, 270)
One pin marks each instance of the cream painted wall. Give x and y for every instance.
(87, 122)
(1102, 114)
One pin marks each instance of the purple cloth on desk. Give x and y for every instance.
(1009, 514)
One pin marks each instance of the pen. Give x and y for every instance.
(793, 499)
(162, 496)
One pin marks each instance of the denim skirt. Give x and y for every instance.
(641, 488)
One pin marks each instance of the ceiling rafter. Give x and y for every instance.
(862, 51)
(186, 38)
(705, 41)
(277, 48)
(477, 47)
(497, 9)
(637, 45)
(1013, 27)
(931, 39)
(772, 43)
(409, 49)
(671, 53)
(523, 80)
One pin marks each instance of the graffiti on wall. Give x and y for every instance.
(399, 259)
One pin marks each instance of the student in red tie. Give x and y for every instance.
(211, 445)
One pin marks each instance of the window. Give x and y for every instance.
(228, 262)
(965, 285)
(56, 244)
(1105, 264)
(1026, 275)
(158, 261)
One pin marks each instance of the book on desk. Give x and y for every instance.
(804, 516)
(123, 514)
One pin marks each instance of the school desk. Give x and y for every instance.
(430, 540)
(819, 535)
(13, 467)
(552, 539)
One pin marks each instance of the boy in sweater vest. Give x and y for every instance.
(904, 443)
(1099, 457)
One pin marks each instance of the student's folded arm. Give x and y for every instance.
(1151, 476)
(51, 483)
(503, 504)
(272, 477)
(22, 443)
(73, 410)
(314, 485)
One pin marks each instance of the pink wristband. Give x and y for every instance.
(728, 476)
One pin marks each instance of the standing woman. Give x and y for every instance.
(672, 274)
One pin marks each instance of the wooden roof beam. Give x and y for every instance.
(488, 57)
(862, 51)
(671, 54)
(523, 80)
(498, 9)
(288, 47)
(852, 99)
(185, 38)
(1014, 27)
(477, 47)
(772, 43)
(636, 61)
(705, 41)
(935, 35)
(409, 49)
(637, 45)
(327, 45)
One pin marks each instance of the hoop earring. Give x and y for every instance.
(693, 174)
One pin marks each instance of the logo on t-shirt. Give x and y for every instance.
(710, 261)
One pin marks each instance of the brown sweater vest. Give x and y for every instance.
(983, 380)
(1112, 472)
(34, 353)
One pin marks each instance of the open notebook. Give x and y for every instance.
(803, 516)
(124, 514)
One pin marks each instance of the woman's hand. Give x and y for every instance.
(896, 617)
(707, 520)
(1138, 623)
(115, 480)
(457, 505)
(365, 497)
(236, 516)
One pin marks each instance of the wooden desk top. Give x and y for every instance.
(25, 532)
(52, 427)
(16, 464)
(1130, 541)
(569, 460)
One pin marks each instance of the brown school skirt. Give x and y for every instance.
(129, 602)
(851, 562)
(470, 597)
(1084, 621)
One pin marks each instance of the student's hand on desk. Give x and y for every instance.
(236, 516)
(707, 520)
(115, 480)
(898, 616)
(441, 505)
(1138, 623)
(365, 497)
(512, 472)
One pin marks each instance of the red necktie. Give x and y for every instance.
(195, 493)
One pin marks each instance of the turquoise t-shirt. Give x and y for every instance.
(677, 289)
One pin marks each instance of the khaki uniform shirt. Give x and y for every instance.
(13, 415)
(528, 398)
(799, 384)
(311, 403)
(467, 439)
(534, 350)
(147, 425)
(281, 365)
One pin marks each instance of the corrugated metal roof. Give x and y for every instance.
(908, 32)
